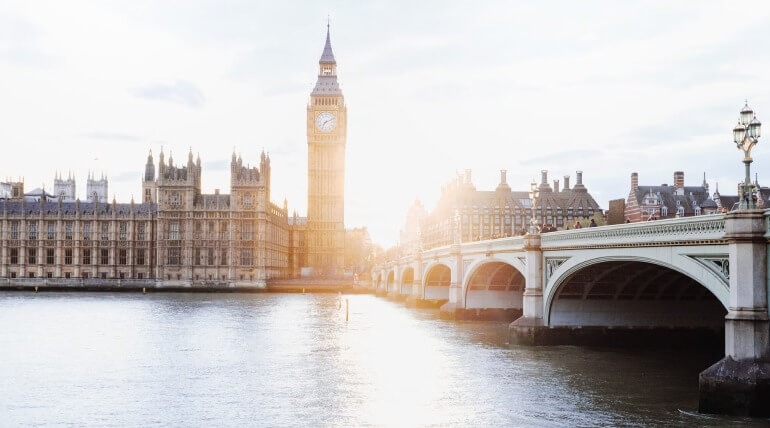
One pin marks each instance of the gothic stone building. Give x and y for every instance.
(503, 212)
(176, 235)
(237, 237)
(326, 139)
(56, 239)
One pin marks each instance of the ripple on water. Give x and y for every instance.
(291, 359)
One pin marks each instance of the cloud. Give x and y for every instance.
(179, 91)
(20, 44)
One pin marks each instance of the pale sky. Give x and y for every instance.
(431, 87)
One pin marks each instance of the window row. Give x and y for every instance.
(87, 256)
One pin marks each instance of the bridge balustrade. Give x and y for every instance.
(705, 228)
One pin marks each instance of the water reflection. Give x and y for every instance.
(292, 359)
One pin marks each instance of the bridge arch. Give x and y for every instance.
(407, 280)
(436, 281)
(494, 284)
(621, 291)
(390, 283)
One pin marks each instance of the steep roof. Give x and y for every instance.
(327, 57)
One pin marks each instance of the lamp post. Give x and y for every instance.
(534, 194)
(746, 135)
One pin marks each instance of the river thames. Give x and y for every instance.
(292, 360)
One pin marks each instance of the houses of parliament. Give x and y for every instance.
(176, 234)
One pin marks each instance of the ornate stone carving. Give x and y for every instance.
(551, 264)
(719, 264)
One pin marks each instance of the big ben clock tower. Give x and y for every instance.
(327, 119)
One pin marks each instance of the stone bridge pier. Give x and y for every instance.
(740, 382)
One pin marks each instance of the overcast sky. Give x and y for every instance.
(431, 88)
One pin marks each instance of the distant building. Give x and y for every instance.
(466, 214)
(97, 190)
(11, 189)
(65, 189)
(410, 234)
(298, 246)
(653, 202)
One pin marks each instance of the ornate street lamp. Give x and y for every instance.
(746, 135)
(534, 194)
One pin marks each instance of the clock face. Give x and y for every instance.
(325, 121)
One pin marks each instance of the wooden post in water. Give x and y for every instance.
(36, 289)
(347, 309)
(144, 290)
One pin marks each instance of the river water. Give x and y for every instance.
(292, 360)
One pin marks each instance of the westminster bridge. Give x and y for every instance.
(669, 277)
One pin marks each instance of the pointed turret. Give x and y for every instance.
(149, 168)
(327, 71)
(327, 57)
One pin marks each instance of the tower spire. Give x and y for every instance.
(328, 56)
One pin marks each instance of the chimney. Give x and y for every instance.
(566, 182)
(555, 185)
(634, 181)
(503, 186)
(679, 179)
(544, 177)
(579, 179)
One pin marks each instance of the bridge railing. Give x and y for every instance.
(493, 245)
(678, 230)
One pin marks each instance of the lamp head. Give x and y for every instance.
(739, 133)
(746, 114)
(755, 128)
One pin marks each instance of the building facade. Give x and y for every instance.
(654, 202)
(177, 235)
(326, 138)
(410, 240)
(465, 214)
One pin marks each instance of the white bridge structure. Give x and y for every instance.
(696, 274)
